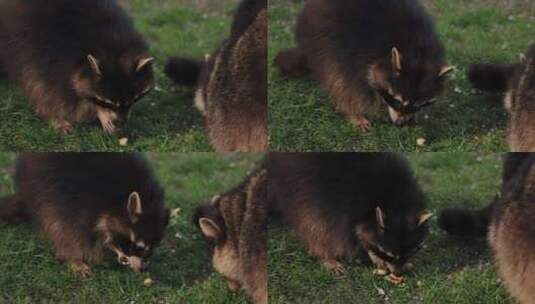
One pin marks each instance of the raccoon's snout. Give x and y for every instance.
(123, 260)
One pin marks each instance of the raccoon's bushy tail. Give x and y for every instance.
(464, 222)
(292, 63)
(183, 71)
(12, 210)
(490, 77)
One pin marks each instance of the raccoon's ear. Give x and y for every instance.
(396, 60)
(134, 206)
(424, 217)
(445, 70)
(380, 218)
(93, 63)
(210, 229)
(143, 63)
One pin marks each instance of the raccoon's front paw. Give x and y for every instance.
(82, 269)
(108, 127)
(64, 127)
(233, 285)
(401, 119)
(335, 266)
(361, 122)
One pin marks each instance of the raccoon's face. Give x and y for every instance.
(116, 85)
(146, 229)
(225, 257)
(407, 86)
(392, 240)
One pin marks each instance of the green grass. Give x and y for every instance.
(163, 121)
(180, 268)
(447, 270)
(303, 119)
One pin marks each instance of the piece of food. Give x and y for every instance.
(123, 141)
(420, 142)
(148, 282)
(380, 272)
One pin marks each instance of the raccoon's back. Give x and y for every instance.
(512, 238)
(234, 86)
(363, 30)
(36, 33)
(341, 184)
(76, 184)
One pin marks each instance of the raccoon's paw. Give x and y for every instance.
(233, 285)
(401, 119)
(108, 127)
(64, 127)
(82, 269)
(335, 266)
(361, 122)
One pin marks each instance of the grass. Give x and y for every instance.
(180, 268)
(447, 270)
(163, 121)
(303, 119)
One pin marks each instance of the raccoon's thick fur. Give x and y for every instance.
(518, 81)
(370, 55)
(232, 83)
(87, 204)
(510, 230)
(236, 225)
(75, 61)
(338, 202)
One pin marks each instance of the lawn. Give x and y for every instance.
(163, 121)
(447, 270)
(181, 268)
(303, 119)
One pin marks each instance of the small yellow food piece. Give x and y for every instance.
(420, 142)
(380, 272)
(123, 141)
(148, 282)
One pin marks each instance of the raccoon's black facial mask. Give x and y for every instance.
(117, 86)
(392, 241)
(408, 87)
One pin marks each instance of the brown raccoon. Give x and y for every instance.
(372, 56)
(346, 204)
(508, 224)
(236, 225)
(518, 81)
(232, 83)
(88, 204)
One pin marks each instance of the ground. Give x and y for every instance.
(163, 121)
(448, 270)
(302, 117)
(180, 268)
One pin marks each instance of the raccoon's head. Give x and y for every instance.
(391, 240)
(406, 85)
(114, 85)
(146, 228)
(225, 256)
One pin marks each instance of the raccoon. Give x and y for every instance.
(88, 204)
(518, 81)
(235, 225)
(347, 204)
(370, 55)
(232, 84)
(75, 61)
(509, 229)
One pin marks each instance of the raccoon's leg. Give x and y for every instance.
(349, 98)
